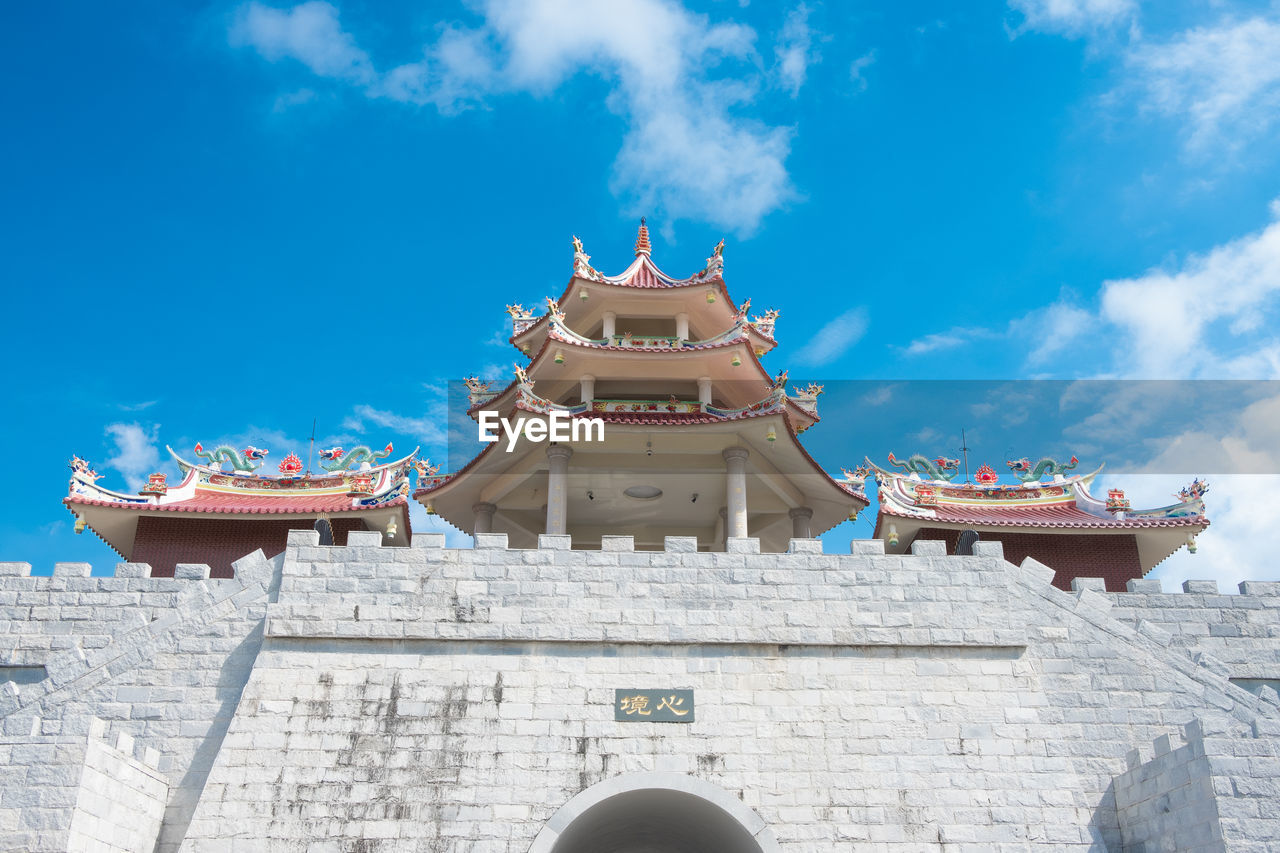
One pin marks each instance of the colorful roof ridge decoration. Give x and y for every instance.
(291, 465)
(1046, 467)
(642, 239)
(336, 459)
(1061, 504)
(225, 454)
(985, 475)
(207, 490)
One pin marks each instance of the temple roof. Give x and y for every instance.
(1060, 504)
(208, 491)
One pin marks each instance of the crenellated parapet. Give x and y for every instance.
(1188, 788)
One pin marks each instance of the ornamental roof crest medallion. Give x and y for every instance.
(291, 465)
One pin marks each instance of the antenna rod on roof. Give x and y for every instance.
(312, 449)
(964, 450)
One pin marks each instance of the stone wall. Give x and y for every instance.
(373, 698)
(1112, 558)
(161, 660)
(121, 800)
(1217, 791)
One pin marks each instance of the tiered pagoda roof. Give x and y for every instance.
(643, 350)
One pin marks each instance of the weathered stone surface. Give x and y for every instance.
(374, 698)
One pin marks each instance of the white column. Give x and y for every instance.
(484, 517)
(610, 324)
(704, 389)
(558, 489)
(718, 545)
(800, 517)
(682, 326)
(588, 385)
(736, 491)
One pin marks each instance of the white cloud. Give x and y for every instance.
(1223, 81)
(859, 65)
(834, 339)
(686, 152)
(136, 454)
(1166, 316)
(939, 341)
(1243, 535)
(795, 51)
(309, 33)
(426, 430)
(1052, 329)
(1073, 17)
(293, 99)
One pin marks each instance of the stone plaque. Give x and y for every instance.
(653, 706)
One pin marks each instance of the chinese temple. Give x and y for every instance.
(694, 436)
(1048, 515)
(216, 516)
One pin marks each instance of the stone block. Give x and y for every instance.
(133, 570)
(1037, 570)
(1268, 727)
(617, 543)
(1095, 584)
(72, 570)
(1089, 598)
(866, 547)
(15, 570)
(1144, 586)
(303, 537)
(1259, 587)
(742, 545)
(364, 539)
(1203, 587)
(804, 546)
(191, 572)
(929, 548)
(491, 542)
(427, 541)
(1154, 632)
(554, 542)
(988, 549)
(680, 544)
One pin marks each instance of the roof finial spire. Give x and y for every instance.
(642, 239)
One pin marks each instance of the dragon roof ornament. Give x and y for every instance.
(336, 459)
(582, 263)
(225, 454)
(764, 323)
(941, 469)
(478, 390)
(1028, 473)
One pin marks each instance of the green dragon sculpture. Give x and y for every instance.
(226, 454)
(941, 468)
(1028, 473)
(340, 460)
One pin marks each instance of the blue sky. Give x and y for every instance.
(224, 220)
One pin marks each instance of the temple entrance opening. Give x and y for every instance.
(656, 820)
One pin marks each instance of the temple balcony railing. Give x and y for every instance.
(530, 401)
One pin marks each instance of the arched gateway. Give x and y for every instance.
(654, 813)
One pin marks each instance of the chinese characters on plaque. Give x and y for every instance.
(653, 706)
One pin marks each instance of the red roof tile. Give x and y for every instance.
(248, 504)
(1064, 514)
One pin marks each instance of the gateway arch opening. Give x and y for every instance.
(656, 820)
